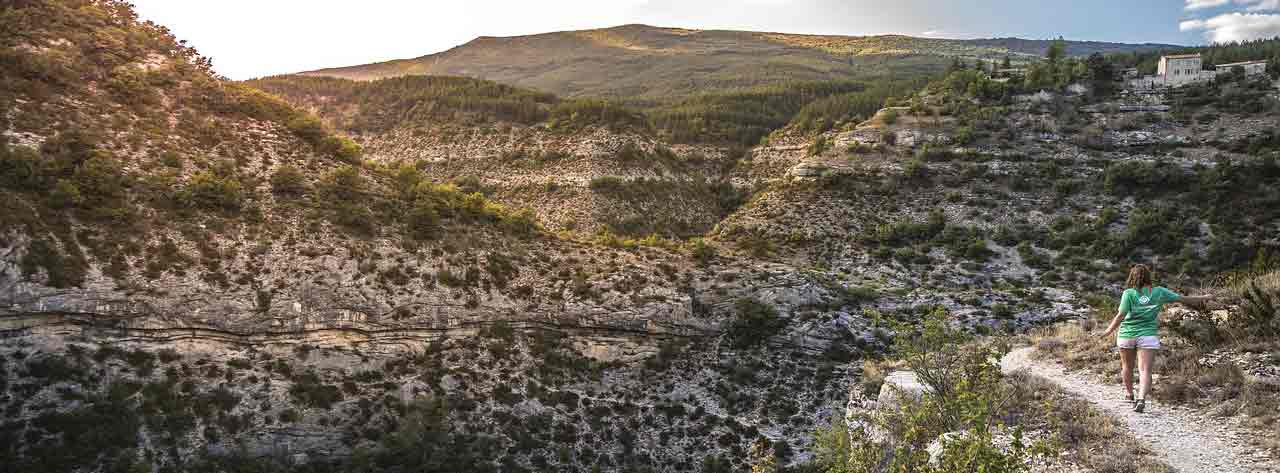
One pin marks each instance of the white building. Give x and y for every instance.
(1174, 71)
(1251, 68)
(1182, 69)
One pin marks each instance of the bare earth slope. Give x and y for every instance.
(1186, 440)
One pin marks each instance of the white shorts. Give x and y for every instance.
(1146, 343)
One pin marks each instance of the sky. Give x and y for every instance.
(254, 38)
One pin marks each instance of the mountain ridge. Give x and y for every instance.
(640, 62)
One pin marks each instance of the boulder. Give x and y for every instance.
(900, 384)
(938, 445)
(999, 439)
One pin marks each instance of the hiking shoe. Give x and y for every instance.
(1140, 405)
(1129, 398)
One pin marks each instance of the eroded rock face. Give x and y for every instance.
(552, 172)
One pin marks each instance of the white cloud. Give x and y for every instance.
(1191, 25)
(1261, 5)
(1235, 26)
(1250, 5)
(1202, 4)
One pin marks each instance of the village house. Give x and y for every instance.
(1251, 68)
(1182, 69)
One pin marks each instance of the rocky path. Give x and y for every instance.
(1187, 441)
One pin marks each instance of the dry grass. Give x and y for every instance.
(1086, 436)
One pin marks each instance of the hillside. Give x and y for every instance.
(430, 273)
(195, 273)
(638, 63)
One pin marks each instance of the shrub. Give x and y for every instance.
(605, 184)
(307, 127)
(890, 117)
(889, 138)
(66, 194)
(309, 390)
(932, 152)
(343, 184)
(818, 146)
(1144, 178)
(353, 216)
(62, 268)
(701, 252)
(966, 394)
(915, 169)
(423, 218)
(20, 168)
(209, 191)
(754, 322)
(343, 149)
(288, 181)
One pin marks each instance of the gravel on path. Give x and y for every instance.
(1187, 441)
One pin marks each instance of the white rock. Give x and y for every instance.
(898, 384)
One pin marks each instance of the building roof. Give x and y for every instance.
(1242, 63)
(1182, 56)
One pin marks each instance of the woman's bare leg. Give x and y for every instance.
(1145, 359)
(1126, 368)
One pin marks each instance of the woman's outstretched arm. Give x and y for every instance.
(1115, 324)
(1194, 300)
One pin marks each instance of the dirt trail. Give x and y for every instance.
(1187, 441)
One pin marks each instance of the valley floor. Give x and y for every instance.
(1186, 440)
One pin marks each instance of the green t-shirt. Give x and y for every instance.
(1140, 308)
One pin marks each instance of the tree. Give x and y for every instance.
(1007, 63)
(1101, 73)
(754, 323)
(1100, 68)
(1057, 50)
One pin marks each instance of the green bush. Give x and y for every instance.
(966, 394)
(754, 322)
(63, 268)
(1144, 178)
(210, 191)
(20, 168)
(701, 252)
(915, 169)
(818, 146)
(345, 183)
(890, 117)
(288, 180)
(309, 390)
(343, 149)
(606, 184)
(307, 127)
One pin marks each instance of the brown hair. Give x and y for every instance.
(1139, 276)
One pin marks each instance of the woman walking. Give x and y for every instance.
(1138, 323)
